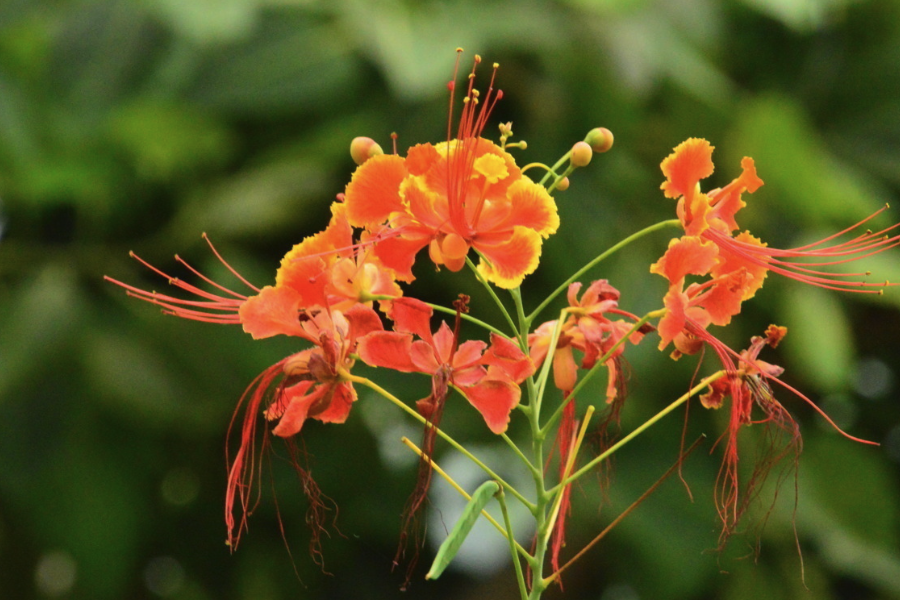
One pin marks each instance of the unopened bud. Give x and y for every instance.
(600, 139)
(563, 184)
(363, 148)
(581, 154)
(506, 129)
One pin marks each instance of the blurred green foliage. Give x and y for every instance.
(140, 124)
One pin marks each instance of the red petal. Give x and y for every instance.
(494, 399)
(388, 349)
(413, 316)
(341, 403)
(297, 407)
(506, 355)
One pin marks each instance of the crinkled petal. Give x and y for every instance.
(730, 260)
(420, 158)
(532, 207)
(686, 255)
(673, 322)
(690, 162)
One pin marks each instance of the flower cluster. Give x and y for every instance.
(467, 195)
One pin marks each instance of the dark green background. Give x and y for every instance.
(140, 124)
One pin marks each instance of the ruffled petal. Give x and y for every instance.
(509, 262)
(686, 255)
(374, 190)
(673, 322)
(730, 259)
(690, 162)
(532, 207)
(420, 158)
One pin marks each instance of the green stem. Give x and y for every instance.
(544, 375)
(542, 499)
(565, 285)
(520, 577)
(519, 453)
(559, 163)
(493, 295)
(466, 317)
(601, 362)
(399, 403)
(559, 178)
(593, 463)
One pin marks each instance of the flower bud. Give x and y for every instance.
(581, 154)
(363, 148)
(563, 184)
(506, 129)
(600, 139)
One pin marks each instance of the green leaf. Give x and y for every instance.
(819, 337)
(470, 514)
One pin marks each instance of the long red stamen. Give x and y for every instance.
(859, 248)
(214, 309)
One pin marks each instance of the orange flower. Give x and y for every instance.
(738, 264)
(454, 196)
(326, 270)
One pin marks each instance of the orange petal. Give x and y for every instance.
(506, 355)
(686, 255)
(690, 162)
(420, 158)
(673, 322)
(374, 190)
(532, 207)
(510, 261)
(272, 312)
(730, 261)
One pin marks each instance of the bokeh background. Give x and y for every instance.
(139, 124)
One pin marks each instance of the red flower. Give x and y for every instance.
(493, 389)
(311, 384)
(462, 194)
(589, 330)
